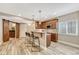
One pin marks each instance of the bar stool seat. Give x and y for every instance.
(35, 38)
(28, 38)
(31, 39)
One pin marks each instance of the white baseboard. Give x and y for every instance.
(70, 44)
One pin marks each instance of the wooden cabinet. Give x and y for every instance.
(48, 40)
(12, 34)
(54, 24)
(37, 25)
(44, 24)
(54, 37)
(51, 37)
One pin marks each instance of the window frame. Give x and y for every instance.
(66, 23)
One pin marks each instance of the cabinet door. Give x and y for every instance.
(37, 25)
(48, 40)
(54, 24)
(5, 30)
(44, 25)
(54, 37)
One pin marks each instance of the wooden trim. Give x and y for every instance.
(17, 30)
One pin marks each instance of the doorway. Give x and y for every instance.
(10, 30)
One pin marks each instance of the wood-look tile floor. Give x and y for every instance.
(19, 47)
(60, 49)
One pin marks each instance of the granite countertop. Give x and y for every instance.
(45, 31)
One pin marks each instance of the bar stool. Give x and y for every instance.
(34, 38)
(28, 38)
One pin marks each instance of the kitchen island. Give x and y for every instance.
(44, 37)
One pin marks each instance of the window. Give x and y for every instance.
(62, 27)
(72, 27)
(69, 27)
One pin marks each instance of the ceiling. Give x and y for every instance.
(27, 10)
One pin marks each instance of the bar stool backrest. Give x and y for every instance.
(29, 34)
(32, 34)
(26, 33)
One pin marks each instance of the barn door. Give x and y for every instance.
(5, 30)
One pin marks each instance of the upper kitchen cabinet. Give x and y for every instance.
(49, 24)
(38, 25)
(53, 23)
(44, 25)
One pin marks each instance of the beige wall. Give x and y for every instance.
(23, 29)
(69, 38)
(1, 30)
(31, 27)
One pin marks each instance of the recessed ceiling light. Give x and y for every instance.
(19, 15)
(29, 24)
(54, 13)
(13, 25)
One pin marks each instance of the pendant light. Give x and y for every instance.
(39, 16)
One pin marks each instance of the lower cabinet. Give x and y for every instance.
(54, 37)
(12, 34)
(48, 40)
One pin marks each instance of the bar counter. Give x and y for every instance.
(45, 38)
